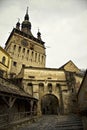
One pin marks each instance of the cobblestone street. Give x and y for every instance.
(54, 122)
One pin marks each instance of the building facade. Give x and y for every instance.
(54, 88)
(82, 100)
(24, 48)
(5, 63)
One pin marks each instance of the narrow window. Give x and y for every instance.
(19, 49)
(30, 88)
(72, 90)
(14, 63)
(32, 53)
(39, 58)
(35, 56)
(58, 88)
(23, 50)
(50, 87)
(14, 47)
(41, 87)
(27, 51)
(23, 65)
(3, 59)
(42, 59)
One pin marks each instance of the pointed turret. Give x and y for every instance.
(26, 25)
(18, 25)
(39, 35)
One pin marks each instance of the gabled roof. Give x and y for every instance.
(70, 66)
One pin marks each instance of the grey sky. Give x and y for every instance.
(62, 23)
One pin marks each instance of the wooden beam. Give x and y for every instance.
(9, 101)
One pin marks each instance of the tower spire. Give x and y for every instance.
(26, 15)
(27, 10)
(26, 24)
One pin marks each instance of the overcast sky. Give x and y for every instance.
(62, 23)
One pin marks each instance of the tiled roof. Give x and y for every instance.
(14, 90)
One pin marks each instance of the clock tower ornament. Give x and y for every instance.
(24, 42)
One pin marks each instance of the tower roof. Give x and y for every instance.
(25, 30)
(26, 24)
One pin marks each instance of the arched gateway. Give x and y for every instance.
(49, 104)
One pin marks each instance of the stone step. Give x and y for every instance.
(69, 128)
(52, 122)
(69, 123)
(71, 119)
(68, 119)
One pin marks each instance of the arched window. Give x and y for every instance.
(57, 89)
(41, 87)
(14, 48)
(3, 59)
(57, 85)
(19, 49)
(39, 57)
(30, 88)
(23, 50)
(32, 54)
(49, 87)
(35, 56)
(27, 51)
(42, 59)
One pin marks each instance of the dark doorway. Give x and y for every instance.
(49, 105)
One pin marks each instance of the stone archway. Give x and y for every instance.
(49, 105)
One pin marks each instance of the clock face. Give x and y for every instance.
(24, 42)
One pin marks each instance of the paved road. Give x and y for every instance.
(44, 123)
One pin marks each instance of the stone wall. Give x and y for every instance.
(40, 82)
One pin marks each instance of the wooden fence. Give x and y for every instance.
(6, 120)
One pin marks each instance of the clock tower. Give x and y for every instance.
(24, 48)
